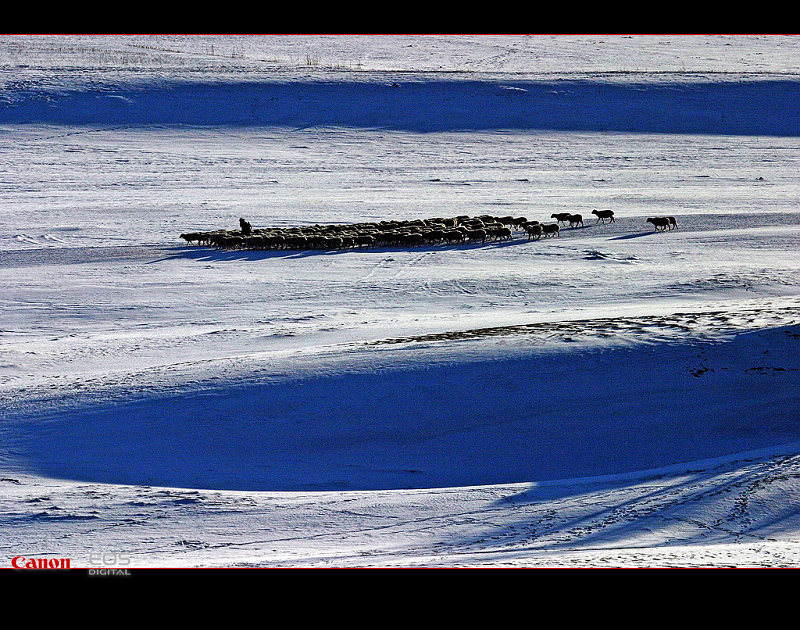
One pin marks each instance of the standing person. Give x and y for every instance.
(246, 227)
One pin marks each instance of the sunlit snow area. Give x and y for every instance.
(613, 396)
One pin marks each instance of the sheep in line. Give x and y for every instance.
(534, 230)
(192, 237)
(659, 223)
(663, 223)
(574, 220)
(551, 229)
(602, 215)
(561, 217)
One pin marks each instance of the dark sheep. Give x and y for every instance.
(274, 242)
(314, 242)
(436, 236)
(533, 230)
(575, 220)
(672, 222)
(477, 235)
(332, 242)
(191, 237)
(296, 242)
(414, 239)
(216, 239)
(659, 223)
(231, 242)
(551, 230)
(603, 215)
(252, 241)
(561, 217)
(519, 222)
(453, 236)
(502, 234)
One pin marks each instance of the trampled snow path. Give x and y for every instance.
(613, 397)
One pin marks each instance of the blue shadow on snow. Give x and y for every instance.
(748, 107)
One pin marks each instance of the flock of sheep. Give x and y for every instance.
(434, 231)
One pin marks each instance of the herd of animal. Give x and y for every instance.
(409, 233)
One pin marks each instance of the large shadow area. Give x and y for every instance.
(752, 107)
(543, 416)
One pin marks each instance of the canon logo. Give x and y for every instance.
(21, 562)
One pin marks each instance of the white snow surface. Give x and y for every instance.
(613, 397)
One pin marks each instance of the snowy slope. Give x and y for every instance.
(615, 396)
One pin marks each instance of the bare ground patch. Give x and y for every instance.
(680, 323)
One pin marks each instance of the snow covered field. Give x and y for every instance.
(615, 396)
